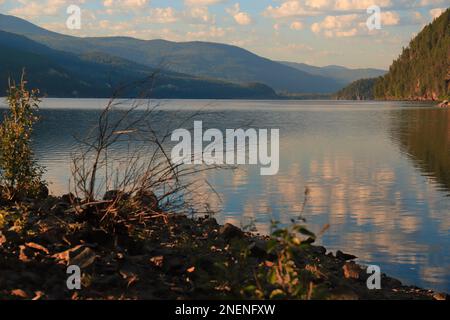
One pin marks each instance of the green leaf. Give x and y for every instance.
(304, 231)
(277, 294)
(271, 245)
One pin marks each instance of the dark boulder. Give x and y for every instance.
(258, 249)
(344, 256)
(441, 296)
(228, 232)
(211, 222)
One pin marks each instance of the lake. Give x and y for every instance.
(377, 172)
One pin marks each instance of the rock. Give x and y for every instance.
(84, 259)
(351, 270)
(105, 282)
(31, 277)
(24, 254)
(440, 296)
(228, 232)
(37, 247)
(344, 256)
(2, 239)
(129, 277)
(389, 282)
(157, 261)
(343, 293)
(98, 236)
(60, 208)
(205, 262)
(258, 249)
(174, 265)
(210, 222)
(146, 199)
(319, 250)
(444, 104)
(19, 293)
(80, 255)
(309, 240)
(38, 295)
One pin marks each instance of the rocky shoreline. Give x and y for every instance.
(162, 256)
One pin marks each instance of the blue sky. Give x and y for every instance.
(318, 32)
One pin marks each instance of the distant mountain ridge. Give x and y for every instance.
(341, 74)
(202, 59)
(63, 74)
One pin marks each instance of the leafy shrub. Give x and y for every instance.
(19, 172)
(283, 278)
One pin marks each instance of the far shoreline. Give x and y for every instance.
(237, 99)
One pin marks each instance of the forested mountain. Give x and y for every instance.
(63, 74)
(204, 59)
(358, 90)
(422, 71)
(341, 74)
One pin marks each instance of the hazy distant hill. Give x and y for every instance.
(342, 75)
(62, 74)
(203, 59)
(422, 71)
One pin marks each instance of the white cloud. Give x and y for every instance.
(129, 4)
(425, 3)
(200, 14)
(163, 15)
(296, 25)
(209, 33)
(390, 18)
(337, 26)
(295, 8)
(30, 9)
(201, 3)
(239, 16)
(350, 25)
(291, 8)
(116, 28)
(319, 4)
(348, 5)
(435, 13)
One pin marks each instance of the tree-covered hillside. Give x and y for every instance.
(422, 72)
(96, 75)
(358, 90)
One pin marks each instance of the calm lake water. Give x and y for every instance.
(378, 174)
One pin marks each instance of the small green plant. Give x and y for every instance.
(282, 278)
(19, 172)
